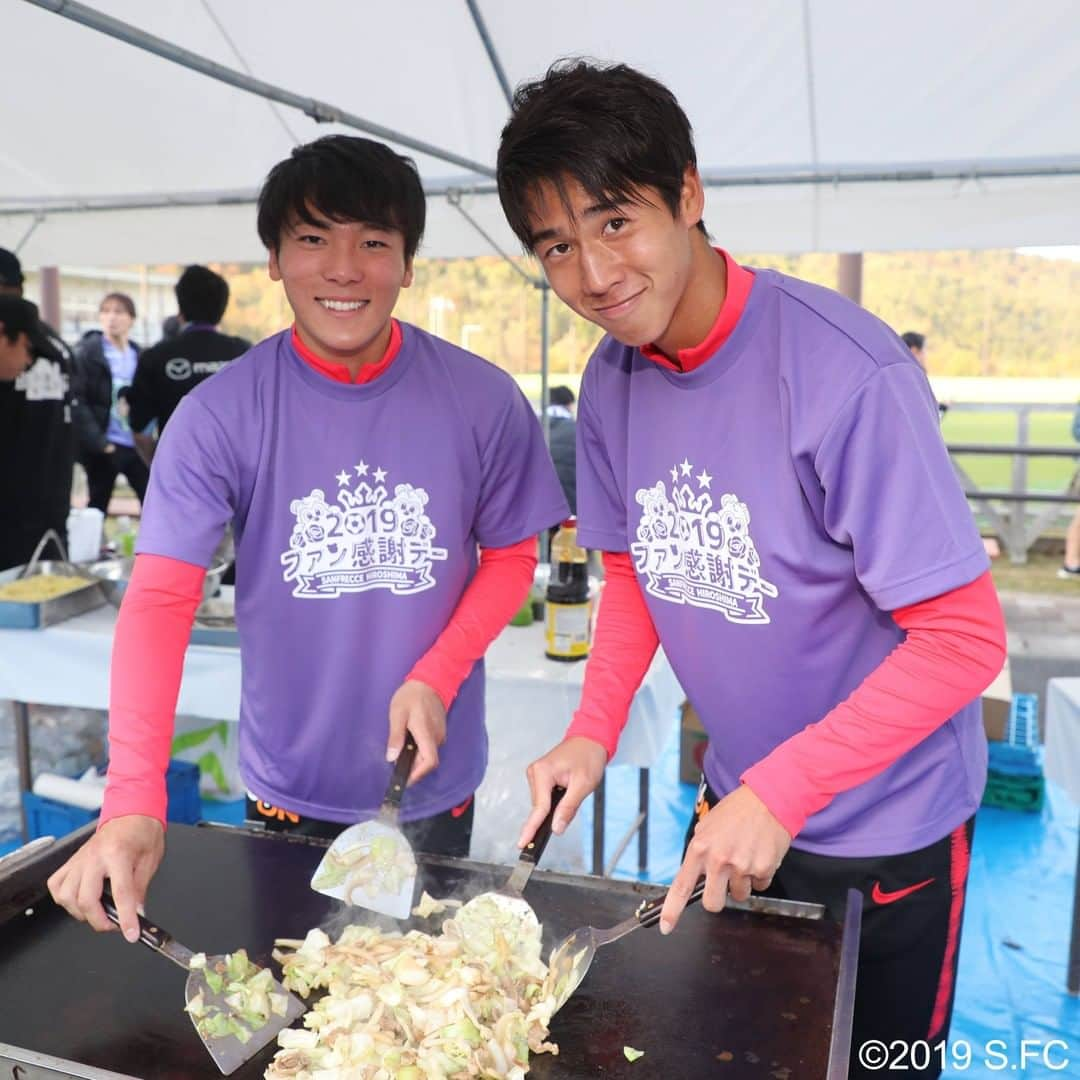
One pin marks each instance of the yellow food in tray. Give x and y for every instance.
(40, 587)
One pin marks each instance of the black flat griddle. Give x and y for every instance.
(739, 994)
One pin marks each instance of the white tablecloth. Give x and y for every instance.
(529, 703)
(1062, 754)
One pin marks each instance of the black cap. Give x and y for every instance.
(21, 317)
(10, 269)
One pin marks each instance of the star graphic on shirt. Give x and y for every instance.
(362, 468)
(380, 475)
(685, 466)
(704, 479)
(674, 474)
(342, 479)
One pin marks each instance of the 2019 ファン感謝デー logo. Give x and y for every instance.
(691, 552)
(367, 539)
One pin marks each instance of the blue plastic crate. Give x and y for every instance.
(182, 784)
(1023, 729)
(44, 817)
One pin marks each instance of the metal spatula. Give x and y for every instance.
(228, 1052)
(572, 957)
(372, 864)
(509, 898)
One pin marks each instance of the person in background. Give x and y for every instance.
(18, 320)
(37, 445)
(1070, 567)
(385, 490)
(761, 462)
(562, 436)
(917, 344)
(171, 326)
(105, 363)
(168, 371)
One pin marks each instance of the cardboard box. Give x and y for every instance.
(996, 703)
(692, 745)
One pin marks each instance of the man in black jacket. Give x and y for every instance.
(562, 434)
(177, 365)
(37, 447)
(105, 364)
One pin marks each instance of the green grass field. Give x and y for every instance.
(1046, 429)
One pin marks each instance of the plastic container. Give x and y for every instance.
(568, 609)
(46, 817)
(182, 785)
(84, 532)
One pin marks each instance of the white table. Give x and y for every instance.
(529, 703)
(1062, 765)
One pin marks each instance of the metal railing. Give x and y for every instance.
(1017, 526)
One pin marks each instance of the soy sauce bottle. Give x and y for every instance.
(568, 611)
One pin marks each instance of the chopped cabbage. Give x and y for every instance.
(473, 1001)
(247, 997)
(380, 865)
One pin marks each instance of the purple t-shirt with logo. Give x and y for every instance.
(778, 502)
(357, 511)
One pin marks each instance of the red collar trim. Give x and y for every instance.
(339, 372)
(739, 282)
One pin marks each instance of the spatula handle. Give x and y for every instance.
(649, 912)
(398, 779)
(532, 851)
(149, 933)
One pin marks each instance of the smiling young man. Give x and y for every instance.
(760, 461)
(385, 489)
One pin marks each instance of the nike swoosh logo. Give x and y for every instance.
(879, 896)
(457, 811)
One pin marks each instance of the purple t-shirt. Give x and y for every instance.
(357, 512)
(778, 502)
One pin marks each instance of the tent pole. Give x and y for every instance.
(319, 111)
(489, 47)
(545, 419)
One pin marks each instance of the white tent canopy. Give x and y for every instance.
(820, 124)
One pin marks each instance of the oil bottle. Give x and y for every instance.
(568, 611)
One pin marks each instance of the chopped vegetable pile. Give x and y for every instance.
(41, 587)
(379, 866)
(470, 1002)
(240, 997)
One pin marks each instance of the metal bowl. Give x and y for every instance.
(114, 575)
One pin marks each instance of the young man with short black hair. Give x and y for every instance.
(760, 461)
(385, 489)
(172, 368)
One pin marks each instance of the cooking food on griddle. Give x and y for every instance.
(472, 1001)
(249, 997)
(40, 587)
(376, 867)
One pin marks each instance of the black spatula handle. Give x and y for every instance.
(649, 912)
(532, 851)
(149, 933)
(400, 776)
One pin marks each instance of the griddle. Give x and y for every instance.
(740, 994)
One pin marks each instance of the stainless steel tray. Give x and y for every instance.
(31, 615)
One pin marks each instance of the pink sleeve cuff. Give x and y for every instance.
(623, 648)
(955, 646)
(151, 637)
